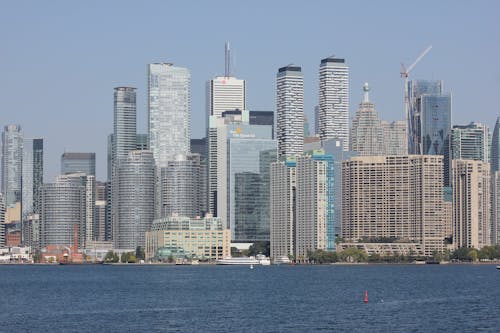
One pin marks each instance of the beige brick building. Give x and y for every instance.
(398, 197)
(471, 203)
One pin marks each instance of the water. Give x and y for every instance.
(142, 298)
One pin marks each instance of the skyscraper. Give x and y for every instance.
(225, 93)
(2, 221)
(290, 111)
(135, 208)
(283, 208)
(168, 111)
(470, 142)
(398, 197)
(395, 136)
(124, 122)
(12, 157)
(315, 224)
(181, 193)
(495, 147)
(366, 131)
(63, 207)
(495, 183)
(32, 176)
(430, 121)
(471, 204)
(334, 100)
(78, 163)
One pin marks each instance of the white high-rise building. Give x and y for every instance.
(12, 157)
(168, 111)
(225, 93)
(290, 111)
(334, 100)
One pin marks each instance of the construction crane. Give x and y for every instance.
(405, 72)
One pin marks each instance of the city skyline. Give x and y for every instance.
(80, 58)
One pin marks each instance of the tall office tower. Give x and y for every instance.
(225, 93)
(216, 169)
(471, 203)
(417, 88)
(181, 195)
(397, 197)
(124, 122)
(315, 229)
(239, 155)
(395, 137)
(290, 111)
(2, 221)
(334, 100)
(470, 142)
(282, 208)
(430, 121)
(262, 118)
(12, 157)
(135, 207)
(63, 207)
(168, 111)
(78, 163)
(32, 176)
(366, 131)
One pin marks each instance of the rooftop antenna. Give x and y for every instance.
(227, 68)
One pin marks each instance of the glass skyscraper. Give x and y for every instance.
(32, 176)
(168, 111)
(250, 150)
(430, 121)
(12, 157)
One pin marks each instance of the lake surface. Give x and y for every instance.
(147, 298)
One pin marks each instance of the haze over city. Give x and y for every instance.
(60, 61)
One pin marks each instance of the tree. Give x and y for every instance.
(353, 254)
(111, 257)
(259, 247)
(139, 253)
(128, 257)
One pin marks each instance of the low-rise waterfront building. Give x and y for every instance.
(184, 237)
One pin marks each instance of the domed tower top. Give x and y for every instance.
(366, 89)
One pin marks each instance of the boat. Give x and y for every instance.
(498, 267)
(263, 260)
(281, 260)
(237, 261)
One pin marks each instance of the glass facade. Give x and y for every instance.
(168, 111)
(251, 149)
(12, 156)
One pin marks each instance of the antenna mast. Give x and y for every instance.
(227, 69)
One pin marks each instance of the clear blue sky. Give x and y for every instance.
(59, 60)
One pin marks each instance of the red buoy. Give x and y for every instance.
(366, 297)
